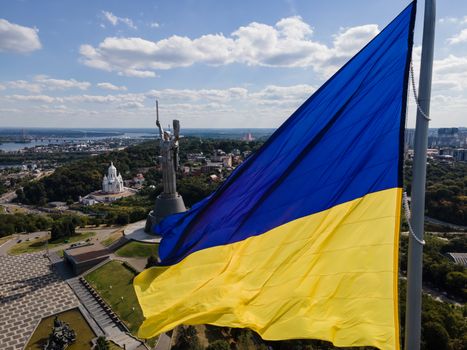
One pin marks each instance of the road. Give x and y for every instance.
(439, 296)
(7, 207)
(445, 224)
(101, 234)
(5, 247)
(11, 208)
(9, 196)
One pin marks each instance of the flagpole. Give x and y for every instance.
(415, 254)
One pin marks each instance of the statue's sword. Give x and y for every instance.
(157, 111)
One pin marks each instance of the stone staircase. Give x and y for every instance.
(117, 244)
(54, 258)
(107, 320)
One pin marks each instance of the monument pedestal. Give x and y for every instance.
(165, 205)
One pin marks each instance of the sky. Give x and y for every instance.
(210, 63)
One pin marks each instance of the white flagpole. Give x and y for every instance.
(415, 254)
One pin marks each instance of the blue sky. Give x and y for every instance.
(210, 63)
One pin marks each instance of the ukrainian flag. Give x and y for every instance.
(301, 241)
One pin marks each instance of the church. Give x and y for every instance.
(112, 182)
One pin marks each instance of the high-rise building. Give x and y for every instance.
(448, 137)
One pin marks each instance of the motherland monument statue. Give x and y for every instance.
(169, 201)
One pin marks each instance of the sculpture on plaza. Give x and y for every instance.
(62, 335)
(169, 201)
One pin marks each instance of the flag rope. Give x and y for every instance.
(414, 89)
(405, 202)
(405, 199)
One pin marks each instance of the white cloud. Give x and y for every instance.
(109, 86)
(287, 44)
(448, 99)
(238, 92)
(450, 73)
(294, 28)
(352, 39)
(204, 95)
(32, 98)
(110, 17)
(24, 85)
(93, 58)
(137, 73)
(10, 110)
(447, 20)
(61, 84)
(131, 105)
(114, 20)
(62, 107)
(43, 82)
(16, 38)
(154, 25)
(347, 43)
(458, 38)
(119, 98)
(453, 20)
(284, 95)
(451, 65)
(440, 85)
(209, 107)
(91, 99)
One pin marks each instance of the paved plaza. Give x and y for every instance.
(29, 291)
(135, 232)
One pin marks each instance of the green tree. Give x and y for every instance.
(187, 339)
(219, 345)
(110, 217)
(20, 195)
(152, 261)
(6, 229)
(456, 244)
(138, 214)
(195, 188)
(102, 343)
(457, 282)
(435, 337)
(34, 193)
(122, 219)
(63, 227)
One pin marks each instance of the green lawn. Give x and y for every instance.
(38, 244)
(113, 281)
(138, 250)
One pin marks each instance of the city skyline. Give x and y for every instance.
(210, 64)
